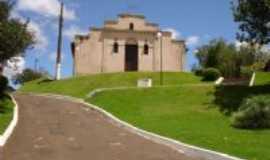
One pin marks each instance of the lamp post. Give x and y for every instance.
(159, 35)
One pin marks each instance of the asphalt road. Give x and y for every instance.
(54, 129)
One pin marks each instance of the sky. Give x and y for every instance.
(195, 21)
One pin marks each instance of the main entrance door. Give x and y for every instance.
(131, 58)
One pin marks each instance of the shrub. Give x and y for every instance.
(3, 84)
(258, 66)
(254, 113)
(211, 74)
(28, 75)
(246, 72)
(198, 72)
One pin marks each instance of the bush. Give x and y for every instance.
(198, 72)
(254, 113)
(211, 74)
(28, 75)
(3, 84)
(246, 72)
(258, 66)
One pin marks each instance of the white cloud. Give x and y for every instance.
(175, 34)
(239, 44)
(73, 30)
(14, 66)
(195, 51)
(40, 38)
(265, 49)
(49, 8)
(41, 41)
(15, 14)
(192, 40)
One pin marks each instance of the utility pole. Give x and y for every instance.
(59, 45)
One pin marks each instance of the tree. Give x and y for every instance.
(208, 55)
(14, 36)
(225, 57)
(29, 75)
(253, 17)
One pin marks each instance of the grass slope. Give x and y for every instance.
(262, 78)
(81, 86)
(6, 113)
(187, 114)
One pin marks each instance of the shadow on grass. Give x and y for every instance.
(230, 97)
(45, 81)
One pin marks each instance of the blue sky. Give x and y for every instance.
(194, 20)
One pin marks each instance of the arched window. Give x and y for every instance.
(146, 49)
(115, 47)
(131, 26)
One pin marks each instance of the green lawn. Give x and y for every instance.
(262, 78)
(81, 86)
(6, 113)
(187, 114)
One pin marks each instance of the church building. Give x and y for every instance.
(127, 44)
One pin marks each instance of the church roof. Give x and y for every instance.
(124, 15)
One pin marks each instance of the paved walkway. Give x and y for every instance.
(56, 129)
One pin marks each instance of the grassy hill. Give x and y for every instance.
(262, 78)
(6, 112)
(81, 86)
(187, 114)
(183, 112)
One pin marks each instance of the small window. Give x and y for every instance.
(115, 47)
(146, 49)
(131, 26)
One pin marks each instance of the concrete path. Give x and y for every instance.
(53, 129)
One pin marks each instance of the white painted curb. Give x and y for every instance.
(12, 125)
(252, 80)
(219, 80)
(183, 148)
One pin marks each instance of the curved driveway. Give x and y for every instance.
(54, 129)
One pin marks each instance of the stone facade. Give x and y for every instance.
(127, 44)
